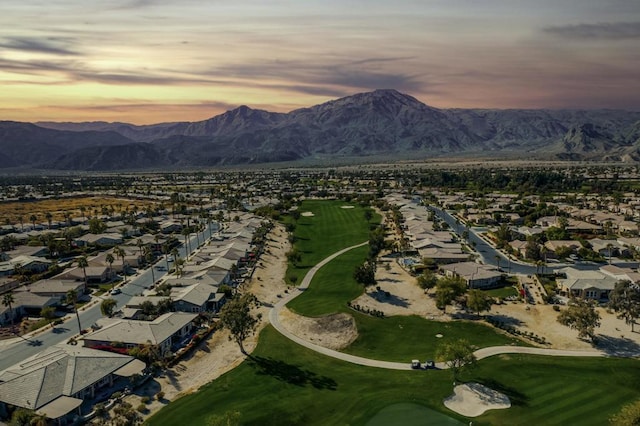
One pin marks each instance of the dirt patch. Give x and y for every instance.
(335, 331)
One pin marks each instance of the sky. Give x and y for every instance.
(150, 61)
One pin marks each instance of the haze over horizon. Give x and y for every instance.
(150, 61)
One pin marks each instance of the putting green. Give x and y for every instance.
(408, 414)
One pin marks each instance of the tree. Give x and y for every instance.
(457, 355)
(33, 218)
(149, 257)
(625, 301)
(72, 298)
(237, 318)
(365, 274)
(96, 226)
(449, 289)
(48, 313)
(294, 256)
(108, 306)
(8, 300)
(581, 315)
(629, 415)
(118, 251)
(368, 215)
(427, 280)
(478, 300)
(532, 250)
(83, 263)
(48, 216)
(110, 259)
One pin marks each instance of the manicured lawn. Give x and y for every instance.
(502, 292)
(330, 229)
(287, 384)
(332, 287)
(403, 338)
(559, 390)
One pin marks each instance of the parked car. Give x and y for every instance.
(115, 291)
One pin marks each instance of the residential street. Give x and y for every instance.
(15, 350)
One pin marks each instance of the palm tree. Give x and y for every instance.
(498, 260)
(83, 263)
(33, 219)
(609, 248)
(21, 219)
(176, 256)
(72, 297)
(7, 300)
(83, 211)
(148, 257)
(185, 232)
(165, 250)
(140, 244)
(48, 216)
(110, 259)
(118, 251)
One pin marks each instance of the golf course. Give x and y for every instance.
(282, 383)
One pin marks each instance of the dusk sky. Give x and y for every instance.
(148, 61)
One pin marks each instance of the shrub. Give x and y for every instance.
(160, 396)
(145, 400)
(142, 408)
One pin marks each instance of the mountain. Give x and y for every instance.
(383, 124)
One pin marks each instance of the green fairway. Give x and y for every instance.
(559, 390)
(331, 228)
(332, 287)
(406, 414)
(502, 292)
(287, 384)
(403, 338)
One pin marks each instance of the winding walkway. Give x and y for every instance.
(480, 353)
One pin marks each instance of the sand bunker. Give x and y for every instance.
(347, 207)
(473, 399)
(307, 214)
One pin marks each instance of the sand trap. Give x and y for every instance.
(307, 214)
(347, 207)
(473, 399)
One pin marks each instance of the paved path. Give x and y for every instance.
(480, 353)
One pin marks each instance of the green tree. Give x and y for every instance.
(427, 280)
(48, 313)
(110, 259)
(368, 215)
(625, 301)
(97, 226)
(449, 289)
(83, 263)
(365, 274)
(119, 251)
(457, 355)
(108, 306)
(236, 317)
(8, 300)
(629, 415)
(581, 315)
(72, 298)
(478, 300)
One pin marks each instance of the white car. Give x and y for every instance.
(115, 291)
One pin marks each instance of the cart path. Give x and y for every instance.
(480, 353)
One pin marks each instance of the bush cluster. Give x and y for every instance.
(364, 310)
(514, 331)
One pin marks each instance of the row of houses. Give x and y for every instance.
(441, 246)
(67, 379)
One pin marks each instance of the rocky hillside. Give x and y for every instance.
(382, 123)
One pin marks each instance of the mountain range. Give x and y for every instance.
(383, 124)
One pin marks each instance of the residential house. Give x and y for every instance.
(474, 274)
(197, 298)
(54, 382)
(56, 288)
(163, 333)
(24, 303)
(586, 284)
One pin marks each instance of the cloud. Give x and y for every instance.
(51, 45)
(600, 31)
(335, 79)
